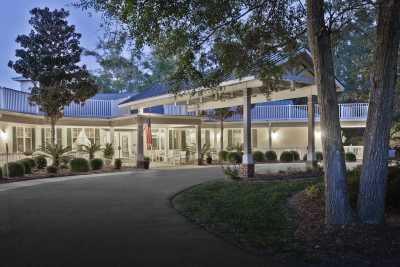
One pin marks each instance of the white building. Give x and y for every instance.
(278, 123)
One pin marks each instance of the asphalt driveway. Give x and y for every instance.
(122, 220)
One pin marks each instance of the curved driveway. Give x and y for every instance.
(122, 220)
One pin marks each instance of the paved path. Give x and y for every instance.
(119, 220)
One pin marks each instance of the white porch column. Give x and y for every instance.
(269, 136)
(247, 167)
(311, 160)
(198, 145)
(139, 144)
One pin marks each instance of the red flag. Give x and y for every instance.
(149, 136)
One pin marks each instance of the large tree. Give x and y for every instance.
(209, 39)
(50, 55)
(371, 201)
(320, 29)
(121, 69)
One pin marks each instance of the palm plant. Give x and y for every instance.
(221, 115)
(90, 149)
(205, 148)
(108, 151)
(56, 153)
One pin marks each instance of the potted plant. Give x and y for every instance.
(146, 163)
(209, 158)
(108, 153)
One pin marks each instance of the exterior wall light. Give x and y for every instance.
(274, 135)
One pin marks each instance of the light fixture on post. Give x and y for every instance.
(4, 139)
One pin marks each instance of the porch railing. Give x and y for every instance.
(17, 101)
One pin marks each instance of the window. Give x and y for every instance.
(254, 138)
(237, 137)
(207, 137)
(90, 133)
(20, 139)
(23, 139)
(173, 139)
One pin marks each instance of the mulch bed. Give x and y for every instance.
(352, 245)
(289, 175)
(42, 174)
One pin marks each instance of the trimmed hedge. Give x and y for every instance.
(79, 165)
(27, 166)
(258, 156)
(286, 156)
(223, 155)
(295, 155)
(41, 162)
(31, 162)
(271, 155)
(289, 156)
(118, 164)
(351, 157)
(96, 164)
(15, 169)
(318, 156)
(235, 157)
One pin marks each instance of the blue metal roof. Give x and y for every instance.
(112, 96)
(156, 90)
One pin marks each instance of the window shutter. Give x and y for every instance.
(183, 139)
(254, 137)
(69, 137)
(59, 136)
(43, 138)
(97, 136)
(230, 136)
(14, 139)
(33, 139)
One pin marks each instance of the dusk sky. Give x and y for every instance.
(14, 16)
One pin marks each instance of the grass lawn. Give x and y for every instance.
(254, 215)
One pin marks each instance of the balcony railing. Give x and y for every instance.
(350, 112)
(16, 101)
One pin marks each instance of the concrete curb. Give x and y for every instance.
(29, 183)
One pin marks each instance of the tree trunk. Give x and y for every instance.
(337, 206)
(53, 130)
(371, 200)
(221, 138)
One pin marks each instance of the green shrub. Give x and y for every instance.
(258, 156)
(16, 169)
(286, 156)
(223, 155)
(235, 157)
(27, 166)
(97, 164)
(318, 156)
(1, 173)
(118, 164)
(271, 155)
(232, 173)
(315, 191)
(351, 157)
(41, 162)
(295, 155)
(31, 162)
(52, 169)
(79, 165)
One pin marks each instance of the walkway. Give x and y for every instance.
(110, 220)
